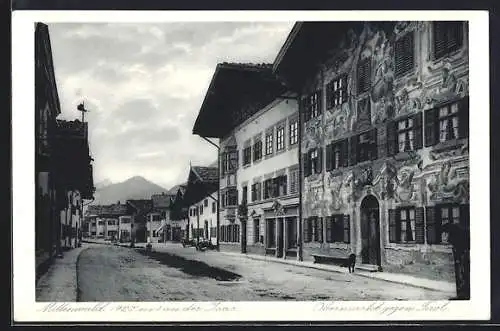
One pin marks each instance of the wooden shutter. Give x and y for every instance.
(465, 222)
(431, 220)
(454, 36)
(346, 226)
(431, 127)
(307, 230)
(319, 228)
(364, 75)
(374, 143)
(329, 157)
(344, 88)
(463, 119)
(417, 130)
(319, 94)
(329, 221)
(419, 225)
(393, 231)
(330, 96)
(307, 164)
(319, 160)
(304, 110)
(403, 56)
(439, 39)
(353, 144)
(345, 152)
(392, 138)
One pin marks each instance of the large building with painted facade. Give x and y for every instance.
(384, 139)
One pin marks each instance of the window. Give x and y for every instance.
(205, 202)
(256, 230)
(230, 161)
(367, 146)
(294, 131)
(313, 162)
(232, 197)
(247, 155)
(403, 54)
(447, 122)
(280, 138)
(336, 92)
(294, 180)
(364, 75)
(244, 194)
(101, 223)
(406, 135)
(406, 225)
(256, 192)
(268, 188)
(312, 105)
(271, 233)
(201, 209)
(338, 228)
(448, 214)
(336, 155)
(318, 229)
(437, 217)
(213, 232)
(257, 150)
(269, 143)
(111, 222)
(279, 184)
(448, 37)
(214, 207)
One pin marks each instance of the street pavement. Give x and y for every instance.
(114, 273)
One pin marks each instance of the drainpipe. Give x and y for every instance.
(300, 231)
(218, 190)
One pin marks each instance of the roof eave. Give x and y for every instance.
(288, 42)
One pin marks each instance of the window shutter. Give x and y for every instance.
(465, 222)
(344, 88)
(319, 94)
(430, 219)
(417, 122)
(329, 221)
(307, 164)
(431, 127)
(439, 39)
(329, 157)
(329, 95)
(419, 225)
(364, 75)
(393, 231)
(463, 119)
(319, 228)
(353, 143)
(307, 230)
(403, 56)
(374, 144)
(319, 160)
(382, 141)
(454, 36)
(346, 226)
(345, 152)
(392, 138)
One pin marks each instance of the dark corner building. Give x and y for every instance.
(384, 139)
(63, 170)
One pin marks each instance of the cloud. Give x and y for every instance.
(144, 85)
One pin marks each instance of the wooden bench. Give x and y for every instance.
(333, 258)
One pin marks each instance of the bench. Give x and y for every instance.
(333, 258)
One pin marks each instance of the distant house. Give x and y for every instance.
(103, 221)
(179, 222)
(159, 216)
(139, 209)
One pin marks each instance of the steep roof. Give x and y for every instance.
(205, 174)
(141, 205)
(107, 210)
(236, 92)
(161, 200)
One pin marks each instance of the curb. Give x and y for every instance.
(333, 269)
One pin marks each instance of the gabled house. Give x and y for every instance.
(201, 198)
(103, 221)
(139, 210)
(179, 221)
(159, 217)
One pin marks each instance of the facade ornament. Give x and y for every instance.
(447, 184)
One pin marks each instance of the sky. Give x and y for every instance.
(144, 85)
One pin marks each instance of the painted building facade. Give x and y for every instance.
(384, 139)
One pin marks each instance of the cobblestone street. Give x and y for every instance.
(114, 273)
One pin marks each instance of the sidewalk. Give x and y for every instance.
(442, 286)
(59, 283)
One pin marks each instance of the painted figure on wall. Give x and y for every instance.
(447, 184)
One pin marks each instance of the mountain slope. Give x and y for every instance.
(133, 188)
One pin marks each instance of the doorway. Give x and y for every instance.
(370, 231)
(279, 248)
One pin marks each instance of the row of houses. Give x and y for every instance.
(355, 140)
(63, 165)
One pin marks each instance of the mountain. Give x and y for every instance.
(136, 187)
(103, 183)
